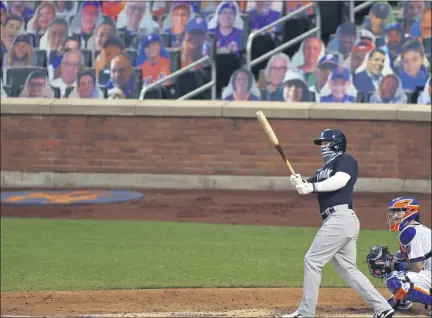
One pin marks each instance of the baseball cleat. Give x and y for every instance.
(295, 314)
(385, 314)
(403, 304)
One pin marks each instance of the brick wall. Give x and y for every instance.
(205, 145)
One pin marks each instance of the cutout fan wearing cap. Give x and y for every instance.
(196, 43)
(394, 38)
(358, 54)
(84, 23)
(228, 27)
(153, 59)
(343, 42)
(380, 15)
(339, 84)
(21, 54)
(325, 66)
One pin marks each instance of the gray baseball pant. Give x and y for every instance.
(336, 239)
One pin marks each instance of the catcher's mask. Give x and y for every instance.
(401, 211)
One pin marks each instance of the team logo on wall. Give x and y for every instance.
(35, 197)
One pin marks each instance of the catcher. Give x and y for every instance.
(408, 273)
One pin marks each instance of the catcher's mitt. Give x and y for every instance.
(379, 261)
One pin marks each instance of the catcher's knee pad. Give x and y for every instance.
(402, 288)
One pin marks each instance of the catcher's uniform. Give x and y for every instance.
(415, 245)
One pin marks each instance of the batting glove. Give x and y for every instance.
(305, 188)
(296, 179)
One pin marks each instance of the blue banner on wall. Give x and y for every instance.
(42, 197)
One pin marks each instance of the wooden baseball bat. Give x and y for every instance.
(272, 136)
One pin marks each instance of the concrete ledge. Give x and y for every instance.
(217, 108)
(26, 106)
(14, 179)
(355, 111)
(270, 109)
(181, 108)
(109, 107)
(414, 113)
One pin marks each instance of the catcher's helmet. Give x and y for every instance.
(401, 211)
(338, 141)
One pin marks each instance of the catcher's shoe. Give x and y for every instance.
(295, 314)
(403, 304)
(385, 314)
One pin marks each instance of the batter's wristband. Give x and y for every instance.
(399, 266)
(314, 188)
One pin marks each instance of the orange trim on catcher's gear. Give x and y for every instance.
(400, 294)
(424, 291)
(395, 228)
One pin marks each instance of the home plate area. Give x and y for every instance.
(188, 302)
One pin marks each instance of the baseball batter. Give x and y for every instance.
(408, 273)
(337, 236)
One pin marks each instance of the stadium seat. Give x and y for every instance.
(360, 98)
(187, 82)
(104, 90)
(67, 92)
(225, 64)
(32, 39)
(57, 93)
(41, 57)
(154, 93)
(260, 46)
(104, 76)
(17, 76)
(132, 54)
(131, 41)
(174, 56)
(166, 39)
(88, 59)
(36, 40)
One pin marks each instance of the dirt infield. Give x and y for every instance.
(211, 206)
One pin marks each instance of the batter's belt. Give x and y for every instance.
(329, 211)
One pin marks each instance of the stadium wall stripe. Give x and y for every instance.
(16, 179)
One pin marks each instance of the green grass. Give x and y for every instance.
(42, 254)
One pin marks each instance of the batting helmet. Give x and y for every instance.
(338, 141)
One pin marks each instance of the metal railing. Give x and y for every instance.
(211, 84)
(250, 63)
(353, 9)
